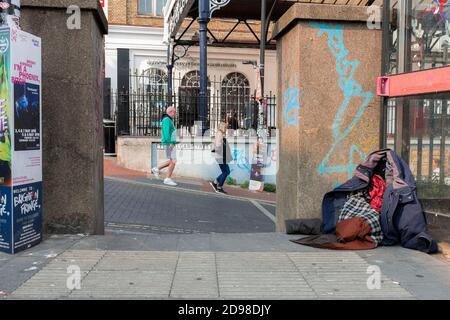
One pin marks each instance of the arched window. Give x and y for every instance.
(192, 80)
(235, 81)
(148, 100)
(155, 81)
(235, 101)
(188, 103)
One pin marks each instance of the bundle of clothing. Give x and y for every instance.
(377, 206)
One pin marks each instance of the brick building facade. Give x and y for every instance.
(126, 12)
(135, 25)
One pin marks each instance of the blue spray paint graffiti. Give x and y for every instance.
(351, 89)
(242, 164)
(241, 160)
(292, 102)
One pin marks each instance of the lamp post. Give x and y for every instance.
(170, 63)
(262, 51)
(203, 19)
(258, 87)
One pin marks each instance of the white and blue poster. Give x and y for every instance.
(27, 212)
(5, 219)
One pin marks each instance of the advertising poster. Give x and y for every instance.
(5, 109)
(27, 146)
(5, 219)
(27, 209)
(20, 140)
(27, 134)
(26, 108)
(5, 144)
(258, 164)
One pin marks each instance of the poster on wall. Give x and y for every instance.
(5, 219)
(5, 109)
(20, 140)
(5, 144)
(258, 164)
(27, 210)
(26, 117)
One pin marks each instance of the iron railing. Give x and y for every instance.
(138, 111)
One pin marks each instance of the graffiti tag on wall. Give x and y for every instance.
(291, 100)
(242, 161)
(346, 70)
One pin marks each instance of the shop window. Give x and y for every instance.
(392, 41)
(429, 32)
(391, 122)
(428, 142)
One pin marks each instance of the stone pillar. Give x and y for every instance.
(328, 62)
(72, 107)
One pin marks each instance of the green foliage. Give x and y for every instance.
(245, 185)
(269, 187)
(230, 181)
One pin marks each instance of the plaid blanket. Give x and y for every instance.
(357, 206)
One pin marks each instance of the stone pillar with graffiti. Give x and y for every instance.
(329, 58)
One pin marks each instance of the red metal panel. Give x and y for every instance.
(421, 82)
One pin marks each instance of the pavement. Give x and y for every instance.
(216, 266)
(191, 243)
(113, 170)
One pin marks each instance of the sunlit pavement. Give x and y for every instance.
(216, 266)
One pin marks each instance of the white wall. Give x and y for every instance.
(143, 153)
(142, 42)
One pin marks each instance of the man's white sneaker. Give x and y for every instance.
(170, 182)
(155, 172)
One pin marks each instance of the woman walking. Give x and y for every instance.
(223, 156)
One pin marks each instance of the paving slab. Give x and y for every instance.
(195, 277)
(235, 271)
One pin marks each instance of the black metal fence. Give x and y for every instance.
(138, 111)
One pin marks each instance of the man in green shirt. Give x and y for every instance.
(168, 140)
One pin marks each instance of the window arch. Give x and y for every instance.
(235, 101)
(236, 80)
(155, 80)
(157, 75)
(188, 100)
(192, 80)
